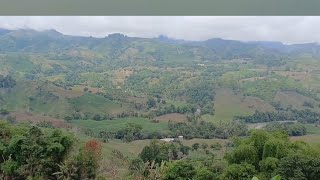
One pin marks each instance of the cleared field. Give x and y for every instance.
(297, 75)
(93, 90)
(51, 106)
(96, 104)
(121, 75)
(175, 117)
(75, 91)
(176, 103)
(119, 123)
(35, 118)
(36, 96)
(67, 93)
(294, 99)
(227, 105)
(312, 138)
(132, 149)
(16, 98)
(312, 129)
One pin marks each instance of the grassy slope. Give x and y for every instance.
(295, 99)
(16, 98)
(311, 138)
(96, 104)
(228, 104)
(312, 129)
(116, 124)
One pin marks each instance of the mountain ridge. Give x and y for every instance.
(29, 40)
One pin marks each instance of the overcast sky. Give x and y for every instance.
(286, 29)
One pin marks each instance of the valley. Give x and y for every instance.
(126, 92)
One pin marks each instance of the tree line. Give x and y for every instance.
(292, 129)
(189, 130)
(303, 116)
(207, 130)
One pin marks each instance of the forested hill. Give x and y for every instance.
(27, 40)
(57, 68)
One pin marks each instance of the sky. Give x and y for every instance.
(289, 30)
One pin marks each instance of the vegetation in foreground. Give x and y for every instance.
(30, 152)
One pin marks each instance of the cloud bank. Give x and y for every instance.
(264, 28)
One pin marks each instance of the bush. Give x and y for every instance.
(4, 112)
(216, 146)
(308, 104)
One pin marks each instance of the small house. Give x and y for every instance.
(167, 139)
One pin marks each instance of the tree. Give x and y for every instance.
(179, 170)
(4, 112)
(216, 146)
(274, 148)
(10, 167)
(154, 152)
(204, 145)
(203, 173)
(68, 118)
(299, 167)
(89, 158)
(137, 167)
(151, 103)
(242, 171)
(28, 151)
(259, 138)
(160, 152)
(7, 81)
(195, 146)
(273, 153)
(269, 164)
(97, 117)
(243, 153)
(308, 104)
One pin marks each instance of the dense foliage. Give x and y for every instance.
(265, 155)
(30, 152)
(158, 152)
(207, 130)
(262, 155)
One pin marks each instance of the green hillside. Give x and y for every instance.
(119, 96)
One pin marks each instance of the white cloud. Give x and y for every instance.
(285, 29)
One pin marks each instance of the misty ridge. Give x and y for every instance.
(29, 40)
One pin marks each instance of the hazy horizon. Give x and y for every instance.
(288, 30)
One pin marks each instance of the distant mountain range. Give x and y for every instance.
(28, 40)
